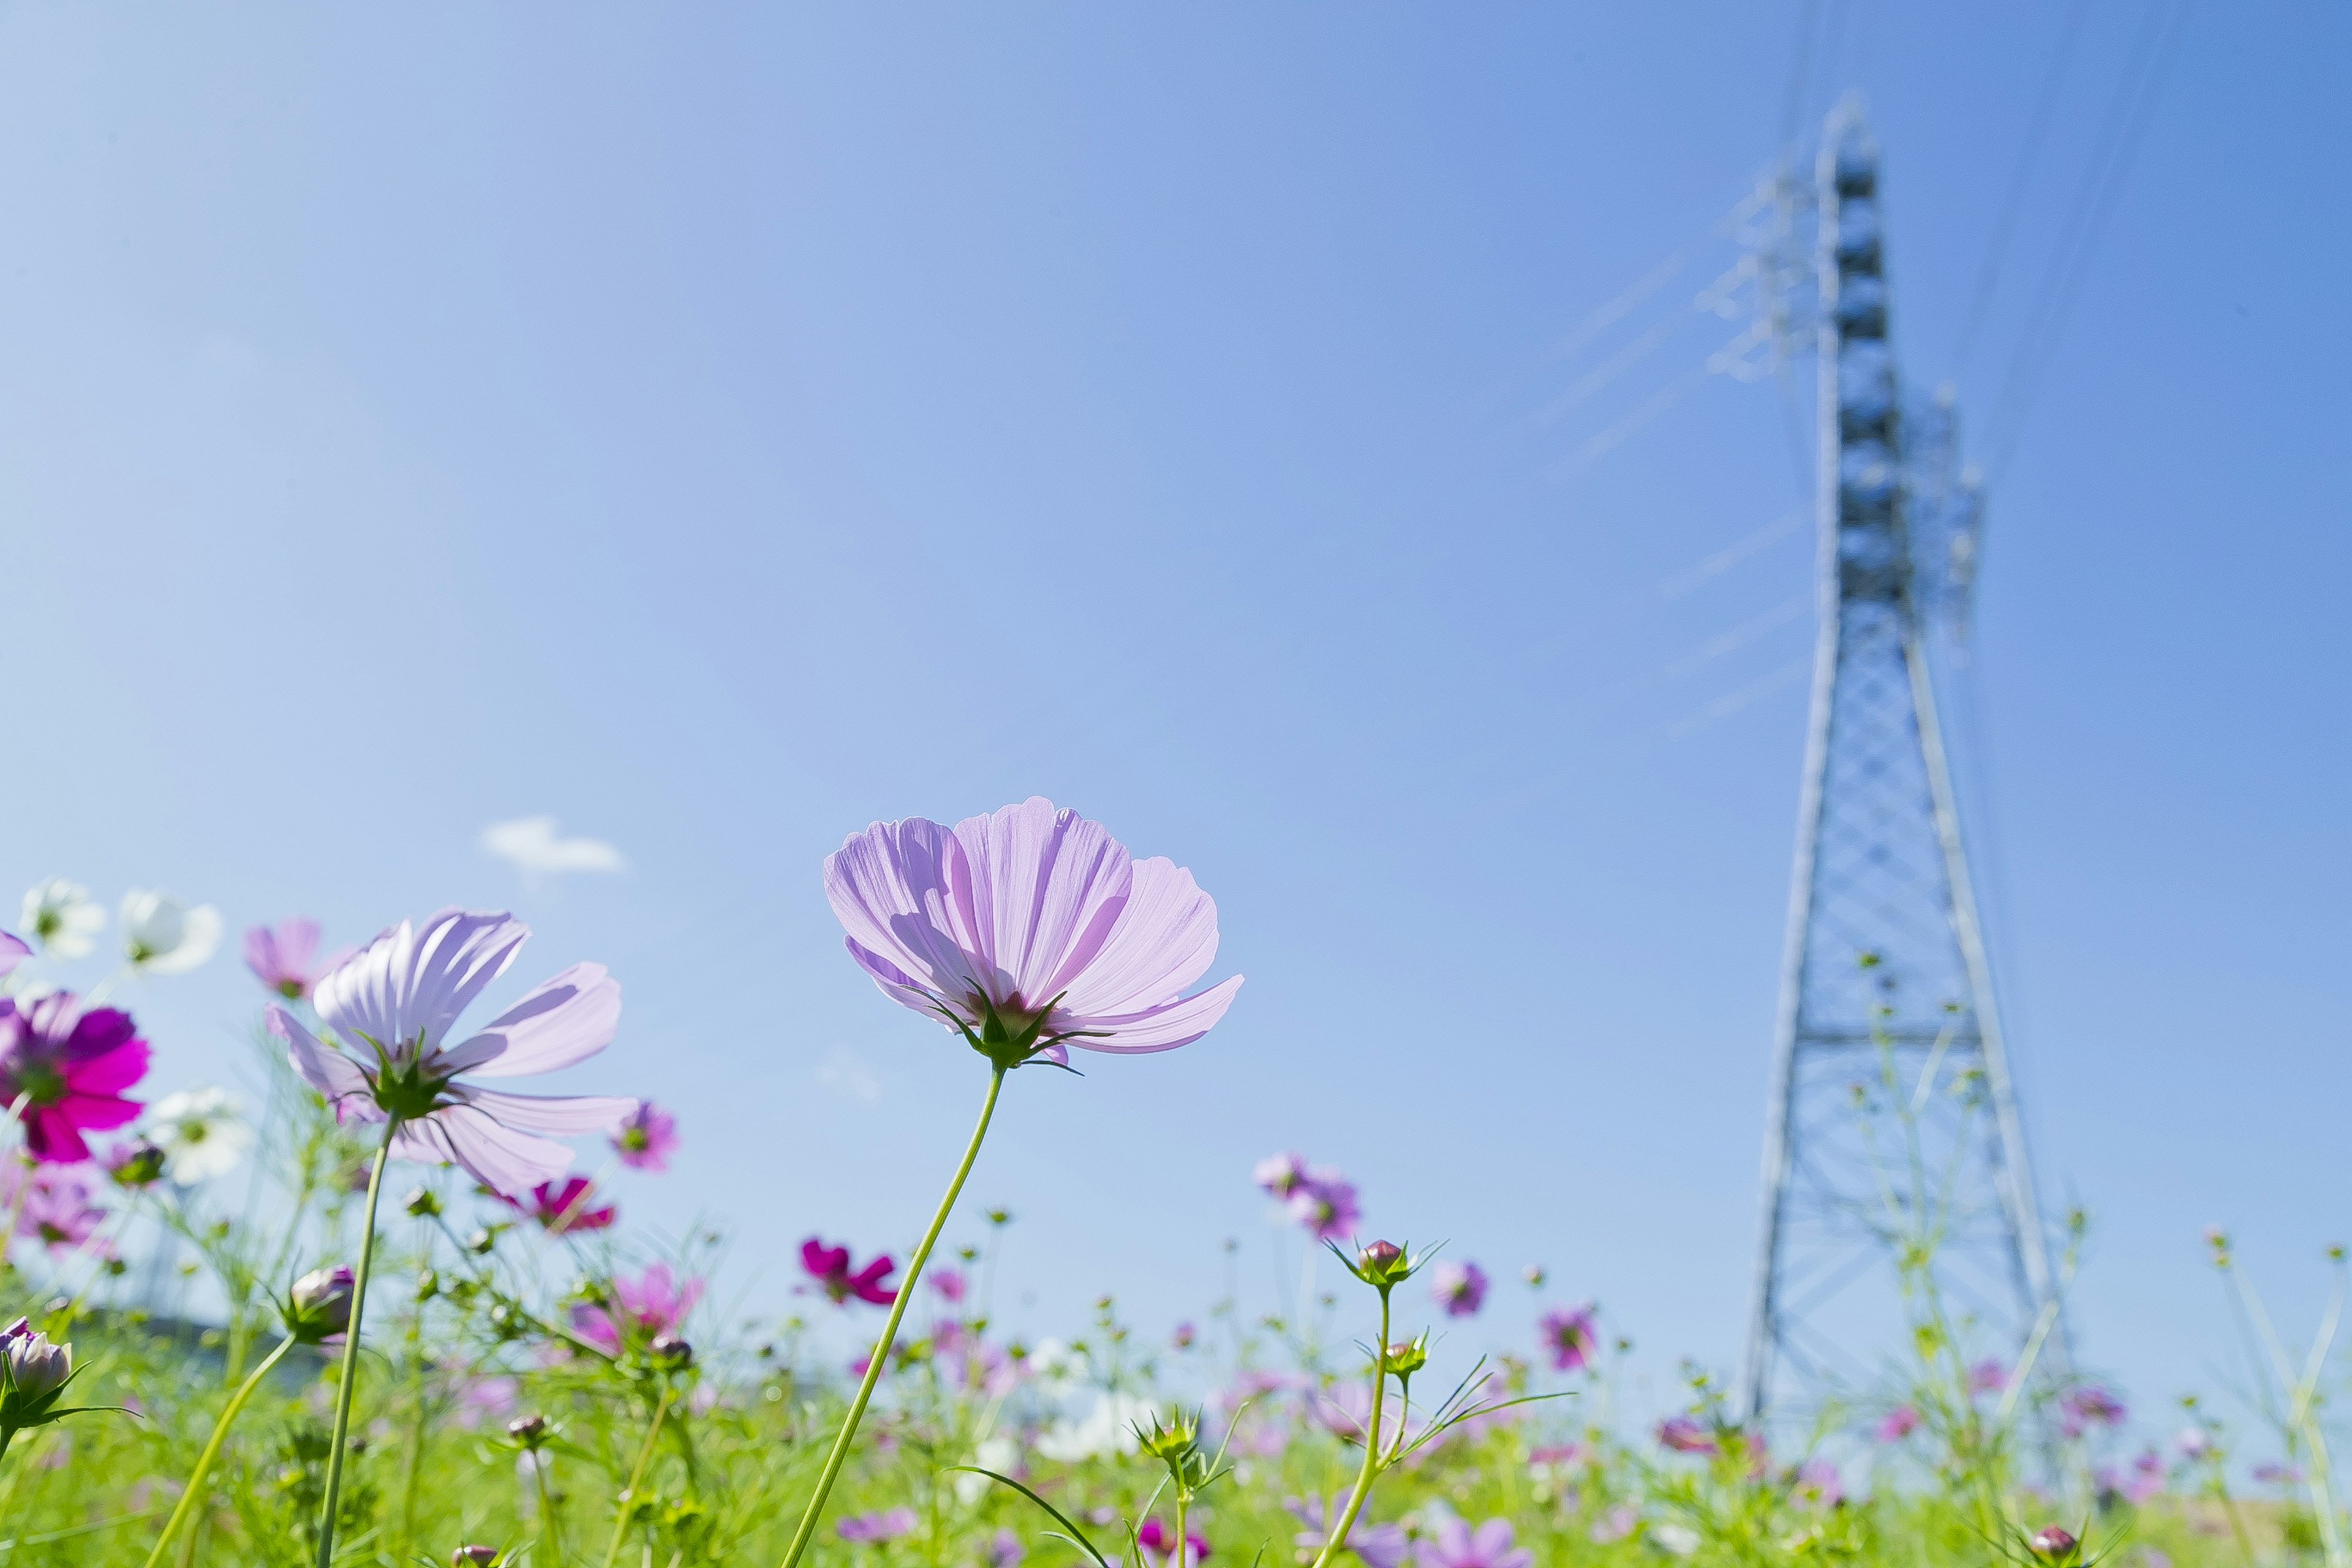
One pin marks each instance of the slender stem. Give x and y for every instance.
(539, 1463)
(1370, 1472)
(832, 1461)
(195, 1487)
(350, 1376)
(637, 1479)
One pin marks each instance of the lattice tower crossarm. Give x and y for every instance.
(1892, 1113)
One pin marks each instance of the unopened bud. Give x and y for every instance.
(36, 1368)
(428, 1284)
(140, 1165)
(424, 1203)
(670, 1352)
(1407, 1356)
(2052, 1541)
(1534, 1275)
(481, 1241)
(1172, 1443)
(528, 1430)
(319, 1304)
(473, 1557)
(1384, 1264)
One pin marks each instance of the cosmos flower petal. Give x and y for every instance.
(1166, 939)
(330, 1072)
(896, 983)
(14, 951)
(564, 1020)
(1047, 886)
(552, 1113)
(109, 1074)
(892, 889)
(508, 1162)
(411, 982)
(96, 1112)
(1156, 1029)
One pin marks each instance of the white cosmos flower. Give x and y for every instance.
(62, 917)
(201, 1133)
(164, 936)
(1107, 1428)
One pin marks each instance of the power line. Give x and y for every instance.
(2128, 115)
(1997, 251)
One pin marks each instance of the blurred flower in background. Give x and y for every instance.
(69, 1068)
(644, 1139)
(1459, 1288)
(201, 1133)
(62, 917)
(165, 935)
(285, 957)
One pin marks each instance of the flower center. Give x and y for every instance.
(40, 1083)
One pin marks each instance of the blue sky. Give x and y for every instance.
(721, 431)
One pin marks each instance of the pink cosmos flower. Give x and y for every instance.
(562, 1210)
(887, 1525)
(2273, 1473)
(1459, 1288)
(1687, 1435)
(395, 1002)
(968, 1362)
(13, 951)
(1280, 1174)
(485, 1399)
(2194, 1441)
(1156, 1544)
(1818, 1485)
(949, 1283)
(1004, 1549)
(1616, 1524)
(2085, 1405)
(1490, 1546)
(70, 1067)
(1029, 931)
(644, 1139)
(58, 1210)
(643, 1309)
(1988, 1376)
(1897, 1425)
(1325, 1203)
(1558, 1455)
(1567, 1333)
(286, 958)
(829, 1266)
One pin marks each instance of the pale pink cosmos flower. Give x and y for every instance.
(949, 1283)
(1489, 1546)
(644, 1139)
(1280, 1175)
(14, 951)
(1897, 1425)
(887, 1525)
(58, 1207)
(1817, 1485)
(1687, 1435)
(395, 1003)
(641, 1310)
(1459, 1288)
(1029, 931)
(1567, 1334)
(1988, 1376)
(284, 958)
(1325, 1203)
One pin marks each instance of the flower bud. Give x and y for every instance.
(428, 1284)
(531, 1431)
(320, 1305)
(1534, 1275)
(2053, 1541)
(424, 1203)
(480, 1242)
(36, 1368)
(1408, 1356)
(1169, 1444)
(139, 1164)
(671, 1353)
(473, 1557)
(1384, 1264)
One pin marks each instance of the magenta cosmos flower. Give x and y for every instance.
(1459, 1288)
(644, 1309)
(70, 1067)
(1029, 931)
(562, 1209)
(829, 1266)
(1567, 1334)
(285, 957)
(644, 1139)
(394, 1002)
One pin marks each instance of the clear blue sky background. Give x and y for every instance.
(721, 428)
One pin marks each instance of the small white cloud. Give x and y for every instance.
(843, 1073)
(531, 843)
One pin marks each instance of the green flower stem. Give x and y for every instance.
(541, 1463)
(350, 1376)
(1371, 1469)
(637, 1479)
(195, 1487)
(832, 1461)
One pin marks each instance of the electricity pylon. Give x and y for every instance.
(1893, 1119)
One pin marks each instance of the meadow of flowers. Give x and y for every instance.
(427, 1336)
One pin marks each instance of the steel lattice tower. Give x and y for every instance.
(1884, 980)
